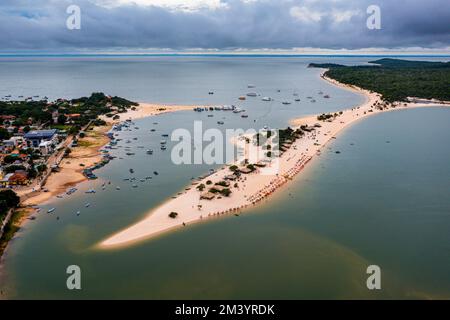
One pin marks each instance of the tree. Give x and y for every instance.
(201, 187)
(10, 197)
(62, 119)
(4, 134)
(226, 192)
(173, 215)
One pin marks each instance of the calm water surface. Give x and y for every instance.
(384, 200)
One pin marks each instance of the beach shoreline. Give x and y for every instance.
(190, 209)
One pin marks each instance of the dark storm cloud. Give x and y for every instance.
(273, 24)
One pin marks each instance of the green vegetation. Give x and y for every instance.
(8, 200)
(396, 79)
(88, 108)
(11, 228)
(173, 215)
(225, 192)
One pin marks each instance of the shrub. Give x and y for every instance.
(173, 215)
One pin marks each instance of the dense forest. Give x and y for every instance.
(396, 79)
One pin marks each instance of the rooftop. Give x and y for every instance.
(40, 134)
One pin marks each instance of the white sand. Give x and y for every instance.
(253, 187)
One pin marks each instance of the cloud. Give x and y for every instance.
(304, 14)
(221, 24)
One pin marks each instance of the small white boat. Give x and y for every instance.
(266, 99)
(51, 210)
(117, 188)
(87, 205)
(252, 94)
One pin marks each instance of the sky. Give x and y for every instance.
(225, 25)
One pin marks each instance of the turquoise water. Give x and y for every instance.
(375, 203)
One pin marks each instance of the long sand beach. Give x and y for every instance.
(254, 187)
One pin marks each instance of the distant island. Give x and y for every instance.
(395, 79)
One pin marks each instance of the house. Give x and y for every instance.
(36, 137)
(231, 177)
(18, 179)
(207, 196)
(73, 116)
(46, 147)
(13, 141)
(55, 115)
(245, 170)
(4, 182)
(7, 118)
(218, 188)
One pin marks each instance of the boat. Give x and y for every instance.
(90, 191)
(211, 92)
(163, 148)
(251, 86)
(155, 173)
(220, 122)
(297, 100)
(134, 185)
(130, 153)
(165, 135)
(242, 98)
(326, 96)
(87, 205)
(251, 94)
(150, 151)
(78, 213)
(244, 116)
(51, 210)
(266, 99)
(286, 102)
(131, 170)
(117, 188)
(163, 142)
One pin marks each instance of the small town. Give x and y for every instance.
(35, 135)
